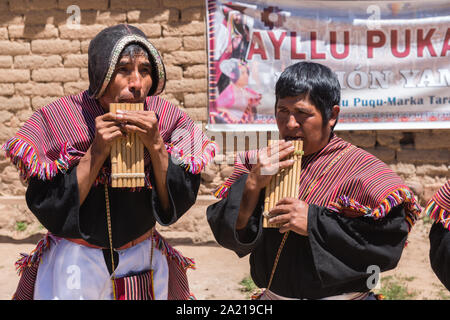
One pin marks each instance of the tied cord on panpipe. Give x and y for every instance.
(127, 154)
(284, 184)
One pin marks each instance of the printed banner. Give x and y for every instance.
(392, 59)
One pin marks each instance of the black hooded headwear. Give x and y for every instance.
(104, 52)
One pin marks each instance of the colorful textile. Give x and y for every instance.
(135, 287)
(438, 208)
(344, 178)
(25, 288)
(34, 258)
(58, 135)
(129, 288)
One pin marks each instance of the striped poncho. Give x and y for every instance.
(344, 178)
(57, 136)
(438, 208)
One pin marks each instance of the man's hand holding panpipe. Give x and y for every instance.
(292, 213)
(269, 161)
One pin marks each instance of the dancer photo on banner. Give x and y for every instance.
(391, 59)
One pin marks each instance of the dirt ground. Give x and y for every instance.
(219, 271)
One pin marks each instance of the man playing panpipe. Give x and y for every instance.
(102, 242)
(438, 209)
(352, 215)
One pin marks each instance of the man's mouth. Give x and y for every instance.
(291, 138)
(130, 100)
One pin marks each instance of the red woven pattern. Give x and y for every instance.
(356, 181)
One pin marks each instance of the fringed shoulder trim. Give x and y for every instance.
(243, 163)
(24, 156)
(351, 207)
(192, 163)
(438, 214)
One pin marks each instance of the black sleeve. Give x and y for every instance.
(222, 217)
(440, 253)
(182, 188)
(343, 248)
(56, 203)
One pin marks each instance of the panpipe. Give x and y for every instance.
(284, 184)
(127, 154)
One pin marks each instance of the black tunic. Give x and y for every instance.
(440, 252)
(332, 260)
(56, 205)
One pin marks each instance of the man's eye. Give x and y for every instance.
(122, 69)
(301, 113)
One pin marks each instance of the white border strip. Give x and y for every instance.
(339, 126)
(393, 125)
(241, 127)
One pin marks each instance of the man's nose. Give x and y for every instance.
(292, 122)
(135, 81)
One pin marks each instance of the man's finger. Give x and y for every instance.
(133, 128)
(113, 135)
(285, 228)
(282, 154)
(286, 164)
(286, 200)
(282, 218)
(279, 210)
(278, 146)
(109, 116)
(144, 122)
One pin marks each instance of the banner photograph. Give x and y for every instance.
(391, 58)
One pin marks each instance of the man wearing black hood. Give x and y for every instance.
(102, 243)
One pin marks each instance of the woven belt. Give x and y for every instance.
(269, 295)
(130, 244)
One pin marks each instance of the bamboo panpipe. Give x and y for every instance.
(127, 155)
(284, 184)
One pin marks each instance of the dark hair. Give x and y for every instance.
(313, 81)
(134, 49)
(225, 80)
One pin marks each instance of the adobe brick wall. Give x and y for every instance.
(42, 59)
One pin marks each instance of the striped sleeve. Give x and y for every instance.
(242, 165)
